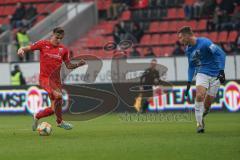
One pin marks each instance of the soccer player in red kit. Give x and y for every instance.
(52, 54)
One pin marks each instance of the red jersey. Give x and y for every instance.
(51, 58)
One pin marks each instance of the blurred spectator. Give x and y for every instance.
(238, 43)
(137, 32)
(197, 8)
(134, 52)
(23, 40)
(209, 8)
(118, 33)
(229, 48)
(18, 15)
(178, 51)
(127, 2)
(215, 22)
(113, 11)
(140, 3)
(235, 20)
(31, 13)
(149, 52)
(188, 11)
(17, 78)
(227, 6)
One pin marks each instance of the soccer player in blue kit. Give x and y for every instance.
(206, 61)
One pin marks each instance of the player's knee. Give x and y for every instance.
(58, 96)
(199, 97)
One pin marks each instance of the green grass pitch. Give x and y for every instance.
(109, 137)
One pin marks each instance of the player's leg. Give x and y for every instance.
(57, 105)
(207, 104)
(211, 94)
(201, 89)
(43, 113)
(199, 106)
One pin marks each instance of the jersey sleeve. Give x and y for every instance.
(66, 56)
(219, 56)
(37, 45)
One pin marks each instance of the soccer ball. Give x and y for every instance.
(44, 129)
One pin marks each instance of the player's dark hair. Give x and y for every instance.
(186, 30)
(58, 30)
(154, 60)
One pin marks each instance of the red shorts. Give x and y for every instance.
(50, 85)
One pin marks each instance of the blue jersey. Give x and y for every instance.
(204, 57)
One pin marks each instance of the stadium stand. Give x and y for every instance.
(44, 7)
(160, 20)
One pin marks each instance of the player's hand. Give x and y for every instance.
(188, 88)
(221, 76)
(81, 63)
(20, 52)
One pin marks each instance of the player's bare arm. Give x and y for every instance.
(70, 65)
(21, 51)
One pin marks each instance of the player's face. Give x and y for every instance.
(56, 39)
(183, 38)
(153, 64)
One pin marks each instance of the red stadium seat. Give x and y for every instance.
(213, 36)
(146, 39)
(173, 38)
(154, 27)
(1, 9)
(104, 4)
(180, 24)
(141, 51)
(202, 24)
(164, 39)
(173, 26)
(167, 51)
(126, 15)
(171, 13)
(192, 24)
(204, 34)
(232, 36)
(41, 8)
(8, 10)
(189, 2)
(180, 13)
(155, 39)
(163, 26)
(100, 41)
(39, 18)
(110, 39)
(91, 42)
(222, 37)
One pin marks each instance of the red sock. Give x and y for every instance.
(45, 113)
(58, 111)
